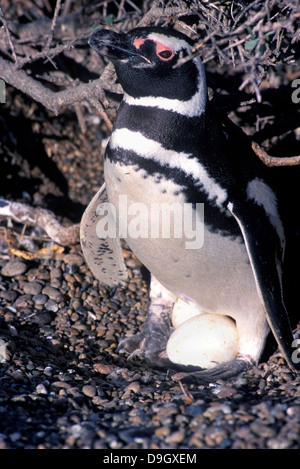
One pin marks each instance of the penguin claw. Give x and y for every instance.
(151, 348)
(224, 371)
(151, 342)
(132, 345)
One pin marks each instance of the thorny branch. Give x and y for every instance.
(55, 101)
(250, 38)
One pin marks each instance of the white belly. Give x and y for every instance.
(218, 275)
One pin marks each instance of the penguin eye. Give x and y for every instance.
(165, 54)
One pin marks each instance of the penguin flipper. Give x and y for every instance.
(103, 255)
(265, 246)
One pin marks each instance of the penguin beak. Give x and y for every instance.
(116, 46)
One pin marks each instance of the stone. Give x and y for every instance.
(89, 390)
(32, 288)
(13, 268)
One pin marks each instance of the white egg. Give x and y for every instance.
(204, 340)
(184, 310)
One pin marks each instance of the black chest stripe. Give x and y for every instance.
(215, 219)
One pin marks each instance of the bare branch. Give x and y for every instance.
(272, 161)
(22, 213)
(47, 53)
(54, 101)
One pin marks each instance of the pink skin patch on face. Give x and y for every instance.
(162, 51)
(138, 42)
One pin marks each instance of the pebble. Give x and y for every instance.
(73, 259)
(51, 305)
(55, 273)
(56, 344)
(13, 268)
(61, 384)
(15, 436)
(132, 387)
(23, 301)
(102, 368)
(278, 443)
(226, 392)
(262, 430)
(53, 293)
(162, 432)
(32, 288)
(42, 318)
(40, 299)
(214, 436)
(48, 371)
(176, 437)
(18, 375)
(9, 295)
(89, 390)
(40, 389)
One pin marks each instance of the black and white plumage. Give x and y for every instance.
(168, 147)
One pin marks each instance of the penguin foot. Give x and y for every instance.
(133, 345)
(151, 342)
(224, 371)
(151, 347)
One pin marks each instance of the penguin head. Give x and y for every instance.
(145, 60)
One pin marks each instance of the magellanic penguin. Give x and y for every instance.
(170, 160)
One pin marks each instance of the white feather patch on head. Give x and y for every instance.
(172, 42)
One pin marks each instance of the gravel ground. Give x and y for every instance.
(64, 386)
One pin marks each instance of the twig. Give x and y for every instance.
(11, 45)
(244, 10)
(22, 213)
(41, 253)
(272, 161)
(49, 53)
(188, 396)
(53, 25)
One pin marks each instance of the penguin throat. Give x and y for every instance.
(195, 106)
